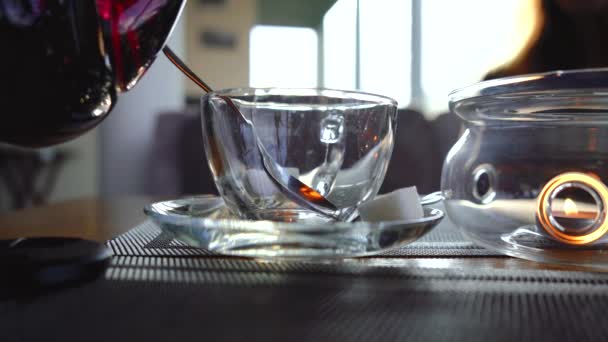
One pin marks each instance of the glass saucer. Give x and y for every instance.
(205, 222)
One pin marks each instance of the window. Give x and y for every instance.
(463, 40)
(372, 45)
(371, 50)
(340, 46)
(283, 57)
(385, 28)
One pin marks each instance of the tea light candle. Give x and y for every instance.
(564, 220)
(401, 204)
(569, 209)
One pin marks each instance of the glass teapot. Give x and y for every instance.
(63, 62)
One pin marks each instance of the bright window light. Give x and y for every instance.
(385, 28)
(340, 45)
(283, 57)
(464, 40)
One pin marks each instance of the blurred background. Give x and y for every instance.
(412, 50)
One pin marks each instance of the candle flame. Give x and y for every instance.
(570, 207)
(310, 193)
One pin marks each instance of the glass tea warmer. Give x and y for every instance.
(529, 175)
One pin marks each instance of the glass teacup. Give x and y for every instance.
(337, 143)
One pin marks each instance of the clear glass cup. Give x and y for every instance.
(336, 142)
(528, 176)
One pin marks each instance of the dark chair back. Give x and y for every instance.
(178, 165)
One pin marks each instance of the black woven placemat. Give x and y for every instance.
(147, 239)
(166, 298)
(231, 299)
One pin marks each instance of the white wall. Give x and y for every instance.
(219, 67)
(127, 135)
